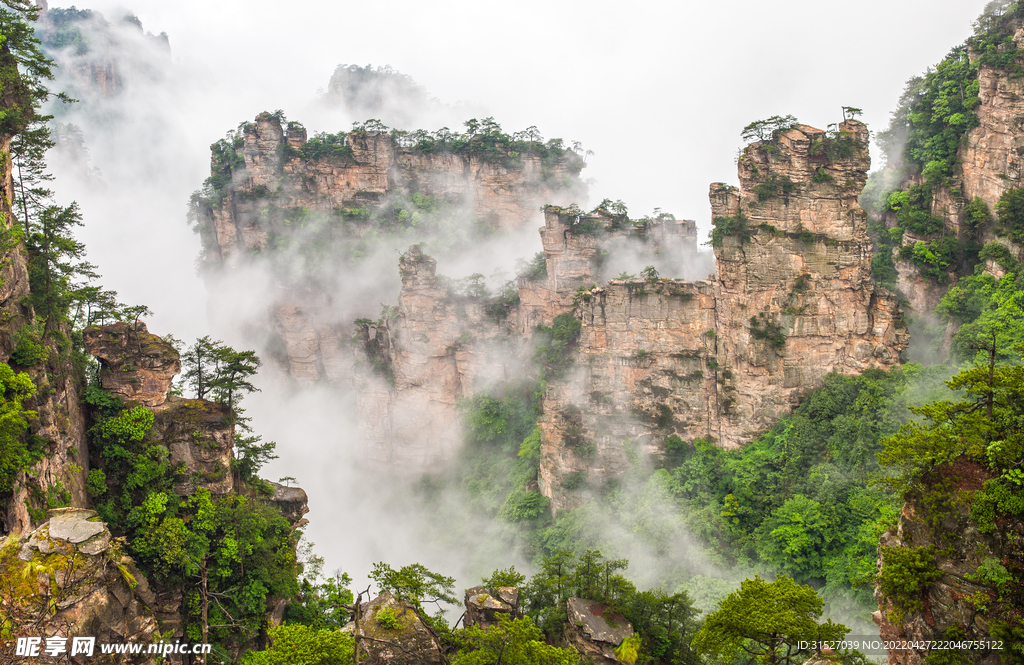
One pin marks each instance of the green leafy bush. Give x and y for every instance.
(977, 216)
(1010, 209)
(906, 572)
(763, 328)
(388, 618)
(130, 425)
(15, 454)
(736, 225)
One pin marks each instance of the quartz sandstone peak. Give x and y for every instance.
(792, 300)
(721, 358)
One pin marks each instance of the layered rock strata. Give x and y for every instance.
(276, 195)
(792, 301)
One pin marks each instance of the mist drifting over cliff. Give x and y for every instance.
(655, 107)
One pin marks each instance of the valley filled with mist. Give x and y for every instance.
(533, 354)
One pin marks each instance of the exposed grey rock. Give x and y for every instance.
(594, 632)
(72, 525)
(412, 642)
(483, 607)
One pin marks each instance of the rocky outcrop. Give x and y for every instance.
(963, 603)
(594, 631)
(67, 579)
(291, 502)
(391, 632)
(301, 323)
(134, 363)
(483, 607)
(792, 301)
(200, 437)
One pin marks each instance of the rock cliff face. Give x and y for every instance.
(722, 358)
(793, 300)
(963, 603)
(283, 193)
(989, 163)
(60, 423)
(429, 362)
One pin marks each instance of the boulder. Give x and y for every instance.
(594, 631)
(291, 502)
(483, 607)
(134, 363)
(391, 632)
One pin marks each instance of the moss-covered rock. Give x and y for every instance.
(69, 578)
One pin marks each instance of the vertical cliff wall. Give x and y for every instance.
(792, 301)
(987, 163)
(307, 210)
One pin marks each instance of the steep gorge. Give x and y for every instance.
(720, 358)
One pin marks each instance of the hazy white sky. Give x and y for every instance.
(659, 90)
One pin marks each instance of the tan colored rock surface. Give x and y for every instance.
(92, 589)
(134, 364)
(667, 357)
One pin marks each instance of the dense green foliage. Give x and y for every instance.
(665, 622)
(295, 644)
(937, 110)
(61, 30)
(1010, 209)
(232, 553)
(933, 117)
(554, 345)
(736, 225)
(982, 307)
(767, 622)
(512, 641)
(905, 574)
(15, 454)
